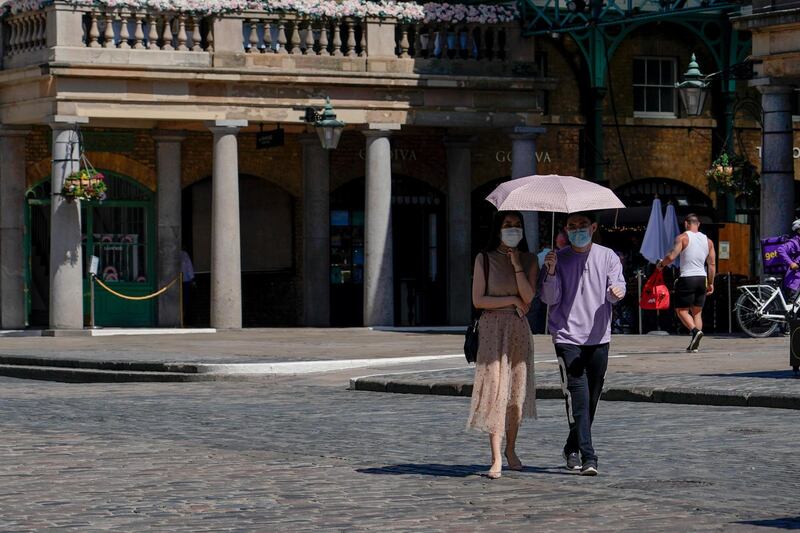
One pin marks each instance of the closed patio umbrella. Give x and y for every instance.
(672, 229)
(654, 246)
(655, 243)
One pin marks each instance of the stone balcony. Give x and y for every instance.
(262, 66)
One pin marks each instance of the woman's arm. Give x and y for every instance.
(526, 281)
(479, 300)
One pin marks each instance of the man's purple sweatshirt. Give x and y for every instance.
(579, 297)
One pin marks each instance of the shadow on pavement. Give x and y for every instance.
(770, 374)
(439, 470)
(776, 523)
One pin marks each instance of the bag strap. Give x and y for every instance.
(476, 313)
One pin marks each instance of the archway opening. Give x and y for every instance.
(419, 251)
(267, 239)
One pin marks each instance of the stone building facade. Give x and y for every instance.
(380, 231)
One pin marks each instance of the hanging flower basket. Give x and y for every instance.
(733, 174)
(85, 184)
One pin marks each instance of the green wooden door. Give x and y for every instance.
(120, 231)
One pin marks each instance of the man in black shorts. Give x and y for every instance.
(696, 281)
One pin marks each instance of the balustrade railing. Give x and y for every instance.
(25, 32)
(252, 32)
(452, 41)
(293, 35)
(147, 30)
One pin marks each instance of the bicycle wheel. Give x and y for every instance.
(751, 320)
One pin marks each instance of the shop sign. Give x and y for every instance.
(108, 141)
(505, 157)
(396, 154)
(795, 152)
(269, 139)
(724, 249)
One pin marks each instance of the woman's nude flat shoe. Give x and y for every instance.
(514, 466)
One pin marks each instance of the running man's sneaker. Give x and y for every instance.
(589, 468)
(572, 459)
(694, 344)
(691, 341)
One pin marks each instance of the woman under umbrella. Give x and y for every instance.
(504, 391)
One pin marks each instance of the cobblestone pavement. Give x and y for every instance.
(291, 455)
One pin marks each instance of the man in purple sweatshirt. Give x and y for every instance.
(581, 283)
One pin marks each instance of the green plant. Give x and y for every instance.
(85, 184)
(734, 174)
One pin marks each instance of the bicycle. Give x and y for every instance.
(762, 309)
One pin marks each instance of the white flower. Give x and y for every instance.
(431, 12)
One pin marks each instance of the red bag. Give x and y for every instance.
(655, 294)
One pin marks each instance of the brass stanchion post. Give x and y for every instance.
(91, 300)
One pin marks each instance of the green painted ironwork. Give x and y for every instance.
(125, 195)
(599, 27)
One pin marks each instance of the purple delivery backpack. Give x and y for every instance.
(773, 264)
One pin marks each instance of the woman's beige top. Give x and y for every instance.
(502, 278)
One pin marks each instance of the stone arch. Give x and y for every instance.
(118, 163)
(252, 169)
(642, 192)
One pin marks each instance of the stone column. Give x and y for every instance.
(316, 232)
(777, 164)
(378, 261)
(168, 165)
(226, 262)
(66, 260)
(459, 229)
(12, 227)
(523, 163)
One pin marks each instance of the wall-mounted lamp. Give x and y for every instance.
(328, 127)
(693, 89)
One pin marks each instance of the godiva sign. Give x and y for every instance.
(502, 156)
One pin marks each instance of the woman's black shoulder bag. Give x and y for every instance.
(471, 338)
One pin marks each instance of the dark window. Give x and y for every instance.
(654, 86)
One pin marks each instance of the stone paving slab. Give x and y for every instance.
(243, 346)
(309, 344)
(778, 389)
(295, 457)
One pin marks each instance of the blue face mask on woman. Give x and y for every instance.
(580, 237)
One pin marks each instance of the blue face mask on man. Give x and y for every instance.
(580, 237)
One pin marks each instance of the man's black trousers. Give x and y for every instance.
(583, 371)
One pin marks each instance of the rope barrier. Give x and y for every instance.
(159, 292)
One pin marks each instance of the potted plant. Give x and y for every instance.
(85, 184)
(733, 174)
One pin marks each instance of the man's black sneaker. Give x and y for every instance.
(589, 468)
(694, 344)
(572, 459)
